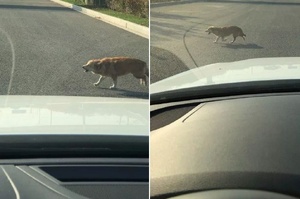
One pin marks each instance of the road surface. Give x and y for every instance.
(44, 45)
(178, 30)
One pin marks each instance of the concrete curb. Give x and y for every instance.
(126, 25)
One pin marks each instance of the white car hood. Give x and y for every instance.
(73, 115)
(232, 72)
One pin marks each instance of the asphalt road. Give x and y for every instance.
(272, 28)
(44, 45)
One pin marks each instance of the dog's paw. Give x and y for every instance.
(112, 87)
(95, 84)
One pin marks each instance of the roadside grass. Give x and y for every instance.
(125, 16)
(107, 11)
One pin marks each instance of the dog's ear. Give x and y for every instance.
(209, 29)
(98, 64)
(86, 64)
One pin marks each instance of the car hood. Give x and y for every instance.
(73, 115)
(259, 69)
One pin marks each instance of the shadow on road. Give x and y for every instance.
(164, 64)
(226, 1)
(26, 7)
(243, 46)
(168, 30)
(135, 94)
(128, 93)
(163, 23)
(170, 16)
(254, 2)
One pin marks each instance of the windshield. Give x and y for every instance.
(222, 41)
(73, 66)
(44, 45)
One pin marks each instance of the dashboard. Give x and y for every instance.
(246, 142)
(74, 166)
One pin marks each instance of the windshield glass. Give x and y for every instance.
(221, 41)
(76, 64)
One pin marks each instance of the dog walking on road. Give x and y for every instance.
(117, 66)
(225, 32)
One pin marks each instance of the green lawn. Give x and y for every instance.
(125, 16)
(121, 15)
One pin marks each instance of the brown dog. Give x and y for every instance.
(117, 66)
(225, 32)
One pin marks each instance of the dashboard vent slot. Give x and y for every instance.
(118, 173)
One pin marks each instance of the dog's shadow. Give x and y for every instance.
(242, 46)
(128, 93)
(137, 94)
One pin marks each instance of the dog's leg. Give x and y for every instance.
(244, 38)
(142, 77)
(115, 82)
(143, 80)
(99, 81)
(217, 39)
(234, 38)
(224, 39)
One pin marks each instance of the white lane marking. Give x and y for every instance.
(12, 184)
(52, 189)
(13, 60)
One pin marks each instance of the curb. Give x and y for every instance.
(126, 25)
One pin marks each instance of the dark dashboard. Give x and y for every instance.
(74, 166)
(246, 142)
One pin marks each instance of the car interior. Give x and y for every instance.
(74, 166)
(238, 146)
